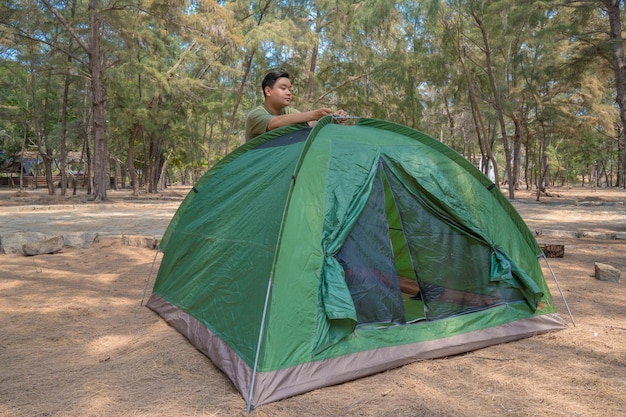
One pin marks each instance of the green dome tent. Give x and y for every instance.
(307, 258)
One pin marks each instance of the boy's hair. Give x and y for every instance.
(271, 77)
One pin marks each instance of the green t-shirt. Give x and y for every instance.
(259, 118)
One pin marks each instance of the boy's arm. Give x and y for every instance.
(294, 118)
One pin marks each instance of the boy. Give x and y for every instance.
(275, 111)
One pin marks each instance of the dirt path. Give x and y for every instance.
(74, 341)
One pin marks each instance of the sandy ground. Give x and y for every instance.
(75, 341)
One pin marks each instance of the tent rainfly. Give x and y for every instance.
(311, 257)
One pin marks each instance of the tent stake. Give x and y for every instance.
(543, 255)
(258, 346)
(145, 288)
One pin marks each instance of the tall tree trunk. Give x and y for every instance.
(47, 164)
(117, 177)
(156, 160)
(66, 93)
(132, 170)
(619, 65)
(244, 80)
(87, 126)
(135, 131)
(209, 143)
(621, 158)
(240, 93)
(543, 166)
(451, 124)
(152, 159)
(149, 162)
(101, 145)
(163, 174)
(41, 131)
(498, 106)
(527, 172)
(517, 151)
(478, 121)
(308, 95)
(63, 147)
(311, 73)
(23, 150)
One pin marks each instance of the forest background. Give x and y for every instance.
(151, 91)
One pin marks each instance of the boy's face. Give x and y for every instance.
(279, 96)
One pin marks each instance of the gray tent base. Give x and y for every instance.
(276, 385)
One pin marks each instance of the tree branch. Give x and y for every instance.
(67, 26)
(348, 81)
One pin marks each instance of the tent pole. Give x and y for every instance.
(145, 288)
(258, 346)
(543, 255)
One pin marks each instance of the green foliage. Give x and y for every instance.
(181, 76)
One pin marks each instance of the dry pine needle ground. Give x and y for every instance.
(76, 342)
